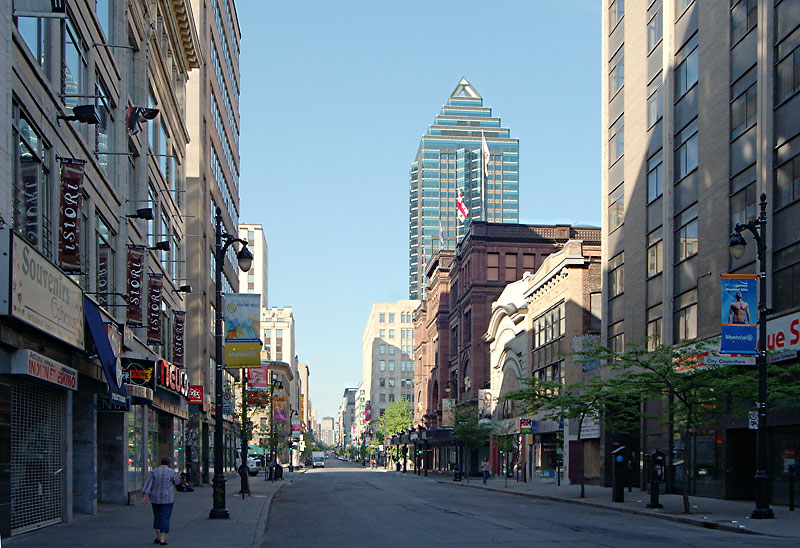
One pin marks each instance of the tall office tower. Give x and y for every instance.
(701, 115)
(255, 280)
(387, 360)
(347, 416)
(449, 163)
(212, 181)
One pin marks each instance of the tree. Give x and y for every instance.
(397, 418)
(467, 430)
(578, 401)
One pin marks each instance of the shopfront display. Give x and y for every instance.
(136, 461)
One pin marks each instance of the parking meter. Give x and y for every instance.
(618, 467)
(656, 471)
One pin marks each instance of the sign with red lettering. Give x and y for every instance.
(172, 378)
(178, 325)
(28, 362)
(155, 286)
(784, 333)
(196, 394)
(69, 221)
(135, 284)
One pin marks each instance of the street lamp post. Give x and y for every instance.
(245, 468)
(245, 260)
(737, 246)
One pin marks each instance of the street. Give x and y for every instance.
(346, 505)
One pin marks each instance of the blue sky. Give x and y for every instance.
(334, 99)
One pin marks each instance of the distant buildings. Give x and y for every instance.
(346, 416)
(328, 431)
(448, 162)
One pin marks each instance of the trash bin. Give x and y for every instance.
(278, 472)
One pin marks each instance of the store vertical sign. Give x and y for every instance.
(154, 298)
(178, 327)
(135, 285)
(69, 215)
(739, 311)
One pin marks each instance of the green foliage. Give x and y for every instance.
(466, 428)
(397, 418)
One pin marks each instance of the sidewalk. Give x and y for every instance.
(730, 515)
(117, 526)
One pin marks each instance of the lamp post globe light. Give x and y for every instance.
(737, 247)
(245, 260)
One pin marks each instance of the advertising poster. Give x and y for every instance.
(154, 298)
(178, 328)
(69, 215)
(242, 354)
(280, 409)
(242, 314)
(258, 378)
(135, 285)
(447, 411)
(739, 308)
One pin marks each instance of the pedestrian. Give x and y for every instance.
(159, 490)
(485, 469)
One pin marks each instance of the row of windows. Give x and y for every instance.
(231, 33)
(549, 326)
(226, 100)
(223, 138)
(404, 383)
(222, 185)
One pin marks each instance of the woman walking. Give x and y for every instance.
(159, 490)
(485, 469)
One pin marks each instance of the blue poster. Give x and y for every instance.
(739, 307)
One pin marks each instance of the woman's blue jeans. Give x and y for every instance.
(161, 515)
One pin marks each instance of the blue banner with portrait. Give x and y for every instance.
(739, 307)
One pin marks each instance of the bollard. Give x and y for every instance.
(792, 474)
(618, 474)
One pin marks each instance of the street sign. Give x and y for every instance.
(752, 420)
(227, 403)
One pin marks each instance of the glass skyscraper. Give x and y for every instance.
(448, 160)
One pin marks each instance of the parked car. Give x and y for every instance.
(254, 466)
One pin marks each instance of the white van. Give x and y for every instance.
(318, 459)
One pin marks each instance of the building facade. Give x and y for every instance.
(346, 417)
(93, 192)
(681, 167)
(327, 431)
(212, 182)
(450, 162)
(387, 359)
(256, 279)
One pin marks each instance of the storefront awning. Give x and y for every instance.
(111, 364)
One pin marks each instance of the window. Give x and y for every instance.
(549, 326)
(655, 253)
(391, 333)
(391, 365)
(382, 317)
(279, 345)
(616, 207)
(686, 68)
(743, 203)
(391, 350)
(787, 182)
(616, 140)
(616, 72)
(74, 66)
(616, 337)
(686, 234)
(102, 136)
(382, 382)
(654, 327)
(744, 16)
(32, 197)
(655, 176)
(654, 25)
(786, 278)
(267, 344)
(382, 333)
(382, 349)
(655, 100)
(681, 6)
(34, 31)
(511, 267)
(787, 78)
(382, 365)
(104, 271)
(616, 279)
(382, 398)
(391, 382)
(391, 398)
(616, 9)
(686, 152)
(391, 317)
(685, 321)
(744, 107)
(493, 267)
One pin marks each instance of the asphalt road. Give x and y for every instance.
(344, 505)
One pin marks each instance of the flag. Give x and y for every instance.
(484, 157)
(461, 208)
(441, 236)
(135, 115)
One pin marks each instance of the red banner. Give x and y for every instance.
(195, 394)
(178, 325)
(135, 285)
(69, 217)
(156, 284)
(103, 259)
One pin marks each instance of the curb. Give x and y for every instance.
(263, 520)
(667, 517)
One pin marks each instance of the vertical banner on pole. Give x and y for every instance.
(739, 310)
(178, 326)
(154, 298)
(135, 285)
(69, 215)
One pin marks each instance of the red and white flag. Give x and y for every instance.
(461, 209)
(135, 115)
